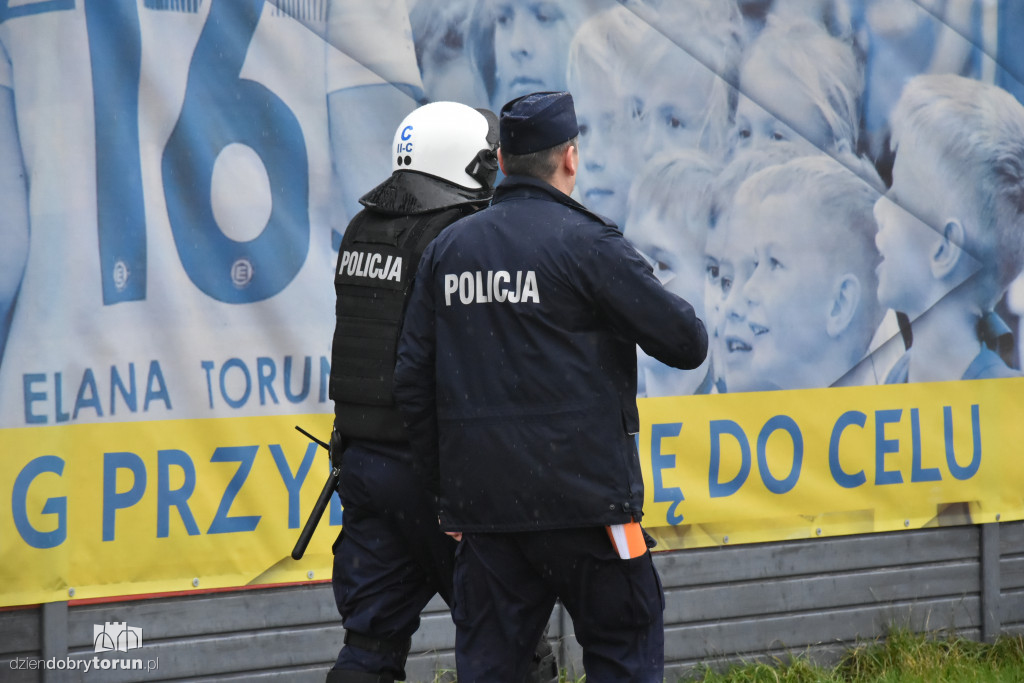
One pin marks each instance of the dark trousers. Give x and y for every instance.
(390, 559)
(506, 585)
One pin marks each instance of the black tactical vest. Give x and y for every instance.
(376, 266)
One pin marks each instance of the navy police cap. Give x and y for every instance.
(537, 121)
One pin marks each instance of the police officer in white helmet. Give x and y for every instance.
(391, 558)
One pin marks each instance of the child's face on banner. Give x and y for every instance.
(789, 293)
(735, 267)
(713, 295)
(675, 105)
(607, 168)
(773, 108)
(670, 246)
(531, 42)
(719, 274)
(904, 240)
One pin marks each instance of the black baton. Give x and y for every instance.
(321, 503)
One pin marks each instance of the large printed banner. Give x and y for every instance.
(169, 506)
(737, 468)
(148, 507)
(176, 176)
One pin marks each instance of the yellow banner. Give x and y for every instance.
(743, 468)
(99, 510)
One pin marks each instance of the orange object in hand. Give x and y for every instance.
(628, 540)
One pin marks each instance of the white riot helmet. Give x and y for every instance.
(450, 141)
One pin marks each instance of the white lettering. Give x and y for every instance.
(481, 290)
(499, 292)
(451, 284)
(466, 288)
(484, 287)
(513, 296)
(362, 264)
(530, 288)
(395, 271)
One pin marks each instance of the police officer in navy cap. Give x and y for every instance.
(516, 376)
(391, 558)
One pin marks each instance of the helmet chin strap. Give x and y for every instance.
(484, 166)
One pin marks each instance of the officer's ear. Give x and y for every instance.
(501, 162)
(571, 160)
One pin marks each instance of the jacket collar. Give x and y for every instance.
(519, 187)
(409, 192)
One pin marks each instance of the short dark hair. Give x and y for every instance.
(541, 164)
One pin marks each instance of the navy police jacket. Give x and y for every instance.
(516, 371)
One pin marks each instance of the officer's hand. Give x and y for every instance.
(338, 445)
(457, 535)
